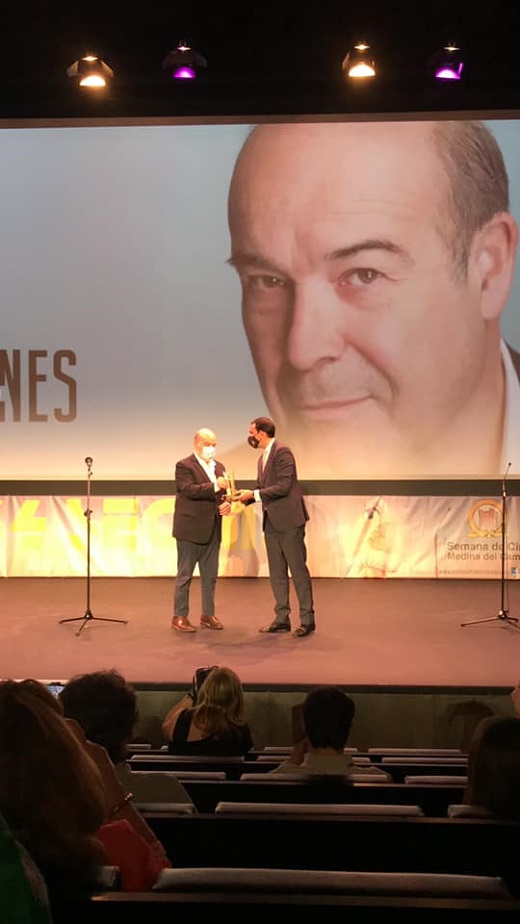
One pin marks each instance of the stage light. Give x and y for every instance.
(359, 62)
(447, 64)
(90, 72)
(183, 63)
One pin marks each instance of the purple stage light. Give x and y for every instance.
(184, 73)
(449, 73)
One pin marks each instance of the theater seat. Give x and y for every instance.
(335, 808)
(172, 808)
(300, 881)
(437, 779)
(274, 750)
(195, 774)
(468, 811)
(302, 778)
(416, 752)
(422, 760)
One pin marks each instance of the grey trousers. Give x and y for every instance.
(205, 555)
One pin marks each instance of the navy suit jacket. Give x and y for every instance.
(282, 499)
(196, 501)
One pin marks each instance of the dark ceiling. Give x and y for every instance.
(264, 56)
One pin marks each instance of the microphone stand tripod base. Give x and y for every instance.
(502, 616)
(88, 617)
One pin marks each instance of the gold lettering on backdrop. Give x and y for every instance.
(24, 378)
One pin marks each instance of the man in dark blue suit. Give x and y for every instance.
(284, 519)
(200, 504)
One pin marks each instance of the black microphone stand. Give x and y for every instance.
(88, 617)
(503, 613)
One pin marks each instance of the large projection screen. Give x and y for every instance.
(122, 324)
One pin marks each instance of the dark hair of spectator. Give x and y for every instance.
(105, 706)
(327, 717)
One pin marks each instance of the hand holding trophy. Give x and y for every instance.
(231, 492)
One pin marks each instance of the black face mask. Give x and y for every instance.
(253, 441)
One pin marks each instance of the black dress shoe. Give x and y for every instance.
(276, 627)
(303, 631)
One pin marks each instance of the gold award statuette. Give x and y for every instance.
(232, 493)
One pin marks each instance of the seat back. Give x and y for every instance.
(422, 760)
(289, 808)
(379, 753)
(437, 779)
(328, 881)
(171, 808)
(467, 811)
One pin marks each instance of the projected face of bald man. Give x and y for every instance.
(375, 354)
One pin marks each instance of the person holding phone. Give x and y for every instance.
(210, 719)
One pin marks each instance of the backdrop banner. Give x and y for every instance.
(347, 536)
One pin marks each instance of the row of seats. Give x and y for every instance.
(403, 842)
(283, 751)
(434, 800)
(234, 768)
(375, 853)
(292, 867)
(238, 895)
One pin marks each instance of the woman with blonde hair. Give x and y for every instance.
(210, 720)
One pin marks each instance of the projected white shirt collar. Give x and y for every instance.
(511, 439)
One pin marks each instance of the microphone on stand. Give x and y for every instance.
(88, 461)
(504, 479)
(373, 508)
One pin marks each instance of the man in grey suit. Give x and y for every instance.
(284, 519)
(200, 504)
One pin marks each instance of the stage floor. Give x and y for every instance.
(370, 632)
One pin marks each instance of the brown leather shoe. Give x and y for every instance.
(303, 631)
(210, 622)
(182, 624)
(276, 627)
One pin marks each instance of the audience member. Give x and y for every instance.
(493, 780)
(214, 722)
(515, 698)
(105, 706)
(24, 897)
(62, 799)
(327, 714)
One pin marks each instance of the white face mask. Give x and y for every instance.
(208, 453)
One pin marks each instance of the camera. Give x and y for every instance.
(198, 679)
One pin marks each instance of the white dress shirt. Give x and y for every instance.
(511, 438)
(209, 468)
